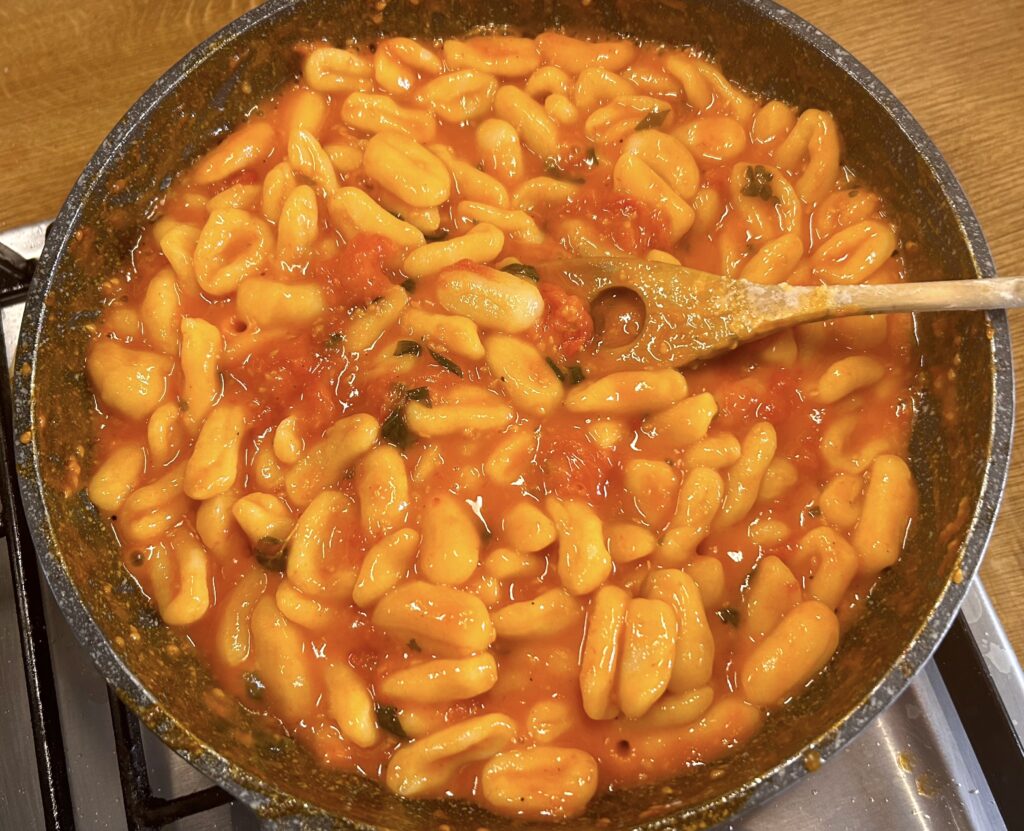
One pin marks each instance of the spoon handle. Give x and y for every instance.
(943, 296)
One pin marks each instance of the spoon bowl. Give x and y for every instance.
(686, 315)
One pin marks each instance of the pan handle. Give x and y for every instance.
(15, 274)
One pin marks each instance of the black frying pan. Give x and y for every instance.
(960, 446)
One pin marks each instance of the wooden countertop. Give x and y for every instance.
(68, 71)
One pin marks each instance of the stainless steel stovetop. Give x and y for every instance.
(914, 767)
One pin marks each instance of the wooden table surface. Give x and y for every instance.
(68, 71)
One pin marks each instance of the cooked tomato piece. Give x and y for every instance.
(774, 399)
(573, 467)
(356, 275)
(567, 325)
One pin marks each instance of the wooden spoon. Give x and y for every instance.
(681, 315)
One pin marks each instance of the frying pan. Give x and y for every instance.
(959, 449)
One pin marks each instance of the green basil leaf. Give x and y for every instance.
(446, 363)
(387, 719)
(554, 368)
(271, 553)
(407, 347)
(655, 118)
(528, 272)
(395, 431)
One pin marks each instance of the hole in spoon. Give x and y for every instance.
(619, 316)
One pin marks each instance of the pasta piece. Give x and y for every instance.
(443, 620)
(336, 70)
(490, 298)
(427, 765)
(201, 348)
(500, 150)
(234, 631)
(181, 576)
(526, 527)
(450, 548)
(574, 55)
(161, 313)
(407, 169)
(381, 114)
(537, 130)
(243, 148)
(353, 212)
(792, 655)
(383, 490)
(365, 327)
(583, 560)
(464, 412)
(443, 680)
(456, 97)
(744, 481)
(264, 518)
(310, 566)
(450, 334)
(213, 466)
(525, 375)
(130, 381)
(233, 245)
(653, 487)
(400, 63)
(694, 658)
(628, 393)
(324, 461)
(602, 649)
(542, 781)
(889, 504)
(269, 303)
(116, 478)
(481, 244)
(547, 614)
(507, 57)
(282, 659)
(384, 565)
(648, 654)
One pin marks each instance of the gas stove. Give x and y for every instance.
(948, 754)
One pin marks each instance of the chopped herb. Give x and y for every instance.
(394, 430)
(421, 394)
(407, 347)
(334, 340)
(655, 118)
(435, 236)
(552, 169)
(387, 719)
(554, 368)
(592, 156)
(522, 270)
(758, 183)
(729, 615)
(254, 686)
(271, 553)
(576, 375)
(415, 647)
(446, 363)
(409, 285)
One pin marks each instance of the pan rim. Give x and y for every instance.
(259, 795)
